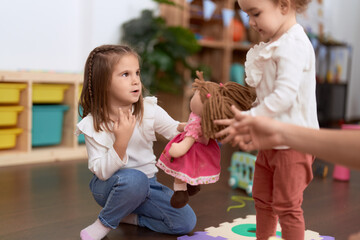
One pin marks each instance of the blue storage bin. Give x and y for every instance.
(47, 124)
(81, 137)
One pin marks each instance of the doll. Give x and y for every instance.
(193, 156)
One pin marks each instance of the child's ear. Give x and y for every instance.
(284, 6)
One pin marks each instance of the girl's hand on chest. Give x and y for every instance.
(124, 125)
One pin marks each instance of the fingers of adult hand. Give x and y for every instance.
(225, 122)
(235, 110)
(228, 138)
(222, 133)
(247, 146)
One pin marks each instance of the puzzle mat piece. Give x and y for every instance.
(327, 238)
(242, 227)
(200, 236)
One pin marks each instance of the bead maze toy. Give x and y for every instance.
(242, 171)
(242, 229)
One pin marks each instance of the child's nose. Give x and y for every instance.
(136, 80)
(252, 23)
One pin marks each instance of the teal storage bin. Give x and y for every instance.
(81, 137)
(47, 124)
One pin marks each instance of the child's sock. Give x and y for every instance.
(95, 231)
(131, 219)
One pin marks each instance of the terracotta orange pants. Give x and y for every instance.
(280, 179)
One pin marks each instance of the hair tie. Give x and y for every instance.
(208, 95)
(221, 85)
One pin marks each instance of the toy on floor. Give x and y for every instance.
(200, 236)
(242, 171)
(241, 200)
(320, 169)
(244, 229)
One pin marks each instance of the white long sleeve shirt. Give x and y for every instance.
(283, 73)
(103, 160)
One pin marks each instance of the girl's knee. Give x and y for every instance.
(133, 183)
(187, 222)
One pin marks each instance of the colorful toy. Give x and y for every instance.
(200, 236)
(242, 171)
(244, 229)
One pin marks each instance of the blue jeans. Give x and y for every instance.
(131, 191)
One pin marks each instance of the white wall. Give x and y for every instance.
(58, 35)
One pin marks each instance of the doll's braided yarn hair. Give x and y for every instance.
(217, 100)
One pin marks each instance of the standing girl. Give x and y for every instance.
(119, 127)
(283, 72)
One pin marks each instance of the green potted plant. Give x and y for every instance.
(164, 50)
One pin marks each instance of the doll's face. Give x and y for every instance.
(196, 105)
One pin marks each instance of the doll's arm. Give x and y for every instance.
(181, 126)
(179, 149)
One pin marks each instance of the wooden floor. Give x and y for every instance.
(52, 201)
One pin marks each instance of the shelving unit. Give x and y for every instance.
(219, 50)
(69, 148)
(333, 74)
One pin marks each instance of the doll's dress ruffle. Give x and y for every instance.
(200, 165)
(255, 60)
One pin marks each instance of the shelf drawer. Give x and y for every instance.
(9, 115)
(48, 93)
(10, 92)
(8, 137)
(47, 124)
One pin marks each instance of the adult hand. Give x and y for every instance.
(250, 133)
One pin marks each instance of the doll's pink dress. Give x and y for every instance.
(200, 165)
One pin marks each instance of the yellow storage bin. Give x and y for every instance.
(10, 92)
(80, 90)
(8, 137)
(9, 115)
(48, 93)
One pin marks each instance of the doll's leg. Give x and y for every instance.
(193, 189)
(180, 197)
(157, 214)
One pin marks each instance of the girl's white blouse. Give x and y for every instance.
(283, 73)
(103, 160)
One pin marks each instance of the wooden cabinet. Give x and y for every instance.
(333, 61)
(69, 148)
(219, 50)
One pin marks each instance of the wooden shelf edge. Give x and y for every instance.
(48, 77)
(42, 155)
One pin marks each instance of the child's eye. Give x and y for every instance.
(256, 14)
(125, 74)
(138, 73)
